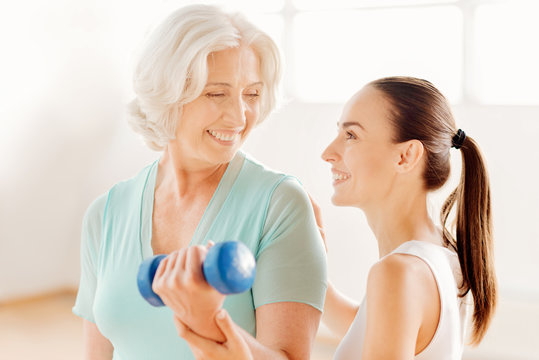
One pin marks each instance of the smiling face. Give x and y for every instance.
(214, 126)
(363, 155)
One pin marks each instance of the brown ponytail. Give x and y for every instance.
(422, 113)
(474, 243)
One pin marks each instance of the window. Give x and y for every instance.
(337, 52)
(474, 51)
(506, 53)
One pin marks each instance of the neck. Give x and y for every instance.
(401, 218)
(186, 176)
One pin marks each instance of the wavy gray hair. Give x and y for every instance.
(172, 68)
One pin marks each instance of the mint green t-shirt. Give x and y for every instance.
(268, 211)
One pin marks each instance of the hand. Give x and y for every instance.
(180, 283)
(234, 347)
(318, 217)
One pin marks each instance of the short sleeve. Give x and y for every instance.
(291, 260)
(89, 250)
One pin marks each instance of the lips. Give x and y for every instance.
(340, 175)
(226, 136)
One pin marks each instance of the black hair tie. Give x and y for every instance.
(458, 139)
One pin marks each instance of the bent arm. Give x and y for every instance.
(285, 330)
(95, 345)
(339, 311)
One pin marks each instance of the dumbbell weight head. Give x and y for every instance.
(146, 273)
(229, 267)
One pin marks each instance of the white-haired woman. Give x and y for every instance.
(204, 80)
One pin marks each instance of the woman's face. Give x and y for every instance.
(362, 155)
(214, 126)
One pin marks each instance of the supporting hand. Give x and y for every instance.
(234, 347)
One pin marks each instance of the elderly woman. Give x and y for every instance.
(204, 80)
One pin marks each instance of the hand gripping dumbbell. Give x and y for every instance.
(229, 267)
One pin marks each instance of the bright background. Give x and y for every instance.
(65, 75)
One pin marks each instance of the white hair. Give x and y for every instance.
(172, 69)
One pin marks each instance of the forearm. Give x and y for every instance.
(205, 327)
(339, 311)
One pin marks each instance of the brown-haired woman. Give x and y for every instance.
(392, 149)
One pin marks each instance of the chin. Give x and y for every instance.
(224, 158)
(343, 200)
(339, 200)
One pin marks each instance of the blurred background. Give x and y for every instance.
(66, 76)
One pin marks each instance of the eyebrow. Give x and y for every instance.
(228, 85)
(352, 123)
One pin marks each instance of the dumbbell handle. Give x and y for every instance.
(229, 267)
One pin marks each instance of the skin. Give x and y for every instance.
(384, 179)
(188, 175)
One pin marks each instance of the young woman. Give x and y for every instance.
(393, 147)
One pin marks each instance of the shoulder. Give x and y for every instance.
(125, 187)
(290, 189)
(94, 213)
(92, 225)
(284, 189)
(405, 276)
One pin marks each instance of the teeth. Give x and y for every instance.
(223, 137)
(340, 176)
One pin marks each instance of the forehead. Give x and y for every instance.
(369, 107)
(240, 63)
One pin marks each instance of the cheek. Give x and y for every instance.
(195, 118)
(370, 169)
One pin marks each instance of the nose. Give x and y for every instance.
(235, 113)
(330, 154)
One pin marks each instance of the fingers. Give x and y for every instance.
(317, 211)
(194, 340)
(318, 218)
(194, 259)
(226, 325)
(179, 264)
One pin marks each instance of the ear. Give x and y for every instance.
(410, 154)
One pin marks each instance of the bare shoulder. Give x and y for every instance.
(406, 276)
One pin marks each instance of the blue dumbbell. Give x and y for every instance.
(229, 267)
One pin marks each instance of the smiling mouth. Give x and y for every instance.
(339, 177)
(224, 137)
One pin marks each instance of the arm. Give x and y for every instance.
(284, 331)
(95, 345)
(290, 282)
(339, 311)
(400, 291)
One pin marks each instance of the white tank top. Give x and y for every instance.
(448, 340)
